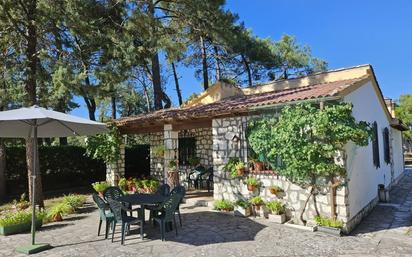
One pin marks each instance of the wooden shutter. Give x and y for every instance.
(375, 146)
(386, 147)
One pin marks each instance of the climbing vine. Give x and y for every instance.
(310, 143)
(106, 146)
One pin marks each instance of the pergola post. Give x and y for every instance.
(116, 171)
(171, 139)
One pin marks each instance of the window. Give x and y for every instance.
(187, 149)
(375, 145)
(386, 147)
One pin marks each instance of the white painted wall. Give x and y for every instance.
(363, 176)
(397, 153)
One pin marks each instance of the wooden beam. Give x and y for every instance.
(191, 124)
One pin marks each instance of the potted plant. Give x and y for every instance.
(252, 183)
(223, 205)
(18, 221)
(122, 184)
(256, 203)
(159, 151)
(277, 211)
(99, 187)
(242, 208)
(231, 167)
(57, 211)
(274, 190)
(257, 164)
(240, 169)
(194, 161)
(329, 225)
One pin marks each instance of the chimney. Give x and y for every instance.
(390, 104)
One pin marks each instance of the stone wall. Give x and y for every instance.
(204, 143)
(225, 187)
(115, 172)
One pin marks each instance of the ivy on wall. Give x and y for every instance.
(310, 142)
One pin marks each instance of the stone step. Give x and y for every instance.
(201, 202)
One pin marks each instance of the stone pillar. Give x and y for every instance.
(171, 139)
(116, 171)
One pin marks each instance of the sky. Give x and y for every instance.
(342, 32)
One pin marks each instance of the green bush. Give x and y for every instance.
(276, 207)
(60, 167)
(223, 205)
(74, 200)
(231, 166)
(19, 217)
(60, 208)
(328, 222)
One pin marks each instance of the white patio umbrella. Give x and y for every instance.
(36, 122)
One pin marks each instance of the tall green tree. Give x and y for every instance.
(404, 113)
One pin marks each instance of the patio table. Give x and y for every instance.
(143, 200)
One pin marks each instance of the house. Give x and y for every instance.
(207, 126)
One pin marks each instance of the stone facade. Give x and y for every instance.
(115, 172)
(229, 140)
(203, 137)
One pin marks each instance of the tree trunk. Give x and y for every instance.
(30, 88)
(304, 206)
(91, 107)
(113, 100)
(29, 160)
(166, 99)
(333, 187)
(204, 64)
(157, 86)
(2, 170)
(146, 95)
(249, 73)
(217, 59)
(178, 91)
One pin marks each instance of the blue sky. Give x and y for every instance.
(344, 33)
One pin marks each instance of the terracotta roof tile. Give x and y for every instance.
(241, 104)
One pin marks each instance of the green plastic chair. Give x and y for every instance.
(104, 214)
(120, 216)
(163, 190)
(114, 193)
(168, 213)
(182, 191)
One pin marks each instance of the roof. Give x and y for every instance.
(240, 104)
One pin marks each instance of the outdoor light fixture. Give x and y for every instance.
(235, 138)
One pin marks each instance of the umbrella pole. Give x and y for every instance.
(33, 187)
(33, 247)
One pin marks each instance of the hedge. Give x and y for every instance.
(65, 167)
(60, 166)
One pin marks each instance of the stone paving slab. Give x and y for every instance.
(209, 233)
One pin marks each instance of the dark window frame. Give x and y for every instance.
(187, 149)
(375, 145)
(386, 146)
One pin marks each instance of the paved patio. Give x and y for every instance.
(209, 233)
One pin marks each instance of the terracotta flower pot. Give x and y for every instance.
(241, 172)
(58, 217)
(251, 188)
(259, 166)
(273, 191)
(257, 207)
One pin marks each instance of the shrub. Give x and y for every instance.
(223, 205)
(123, 184)
(257, 200)
(328, 222)
(276, 207)
(100, 186)
(74, 200)
(19, 217)
(60, 167)
(60, 209)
